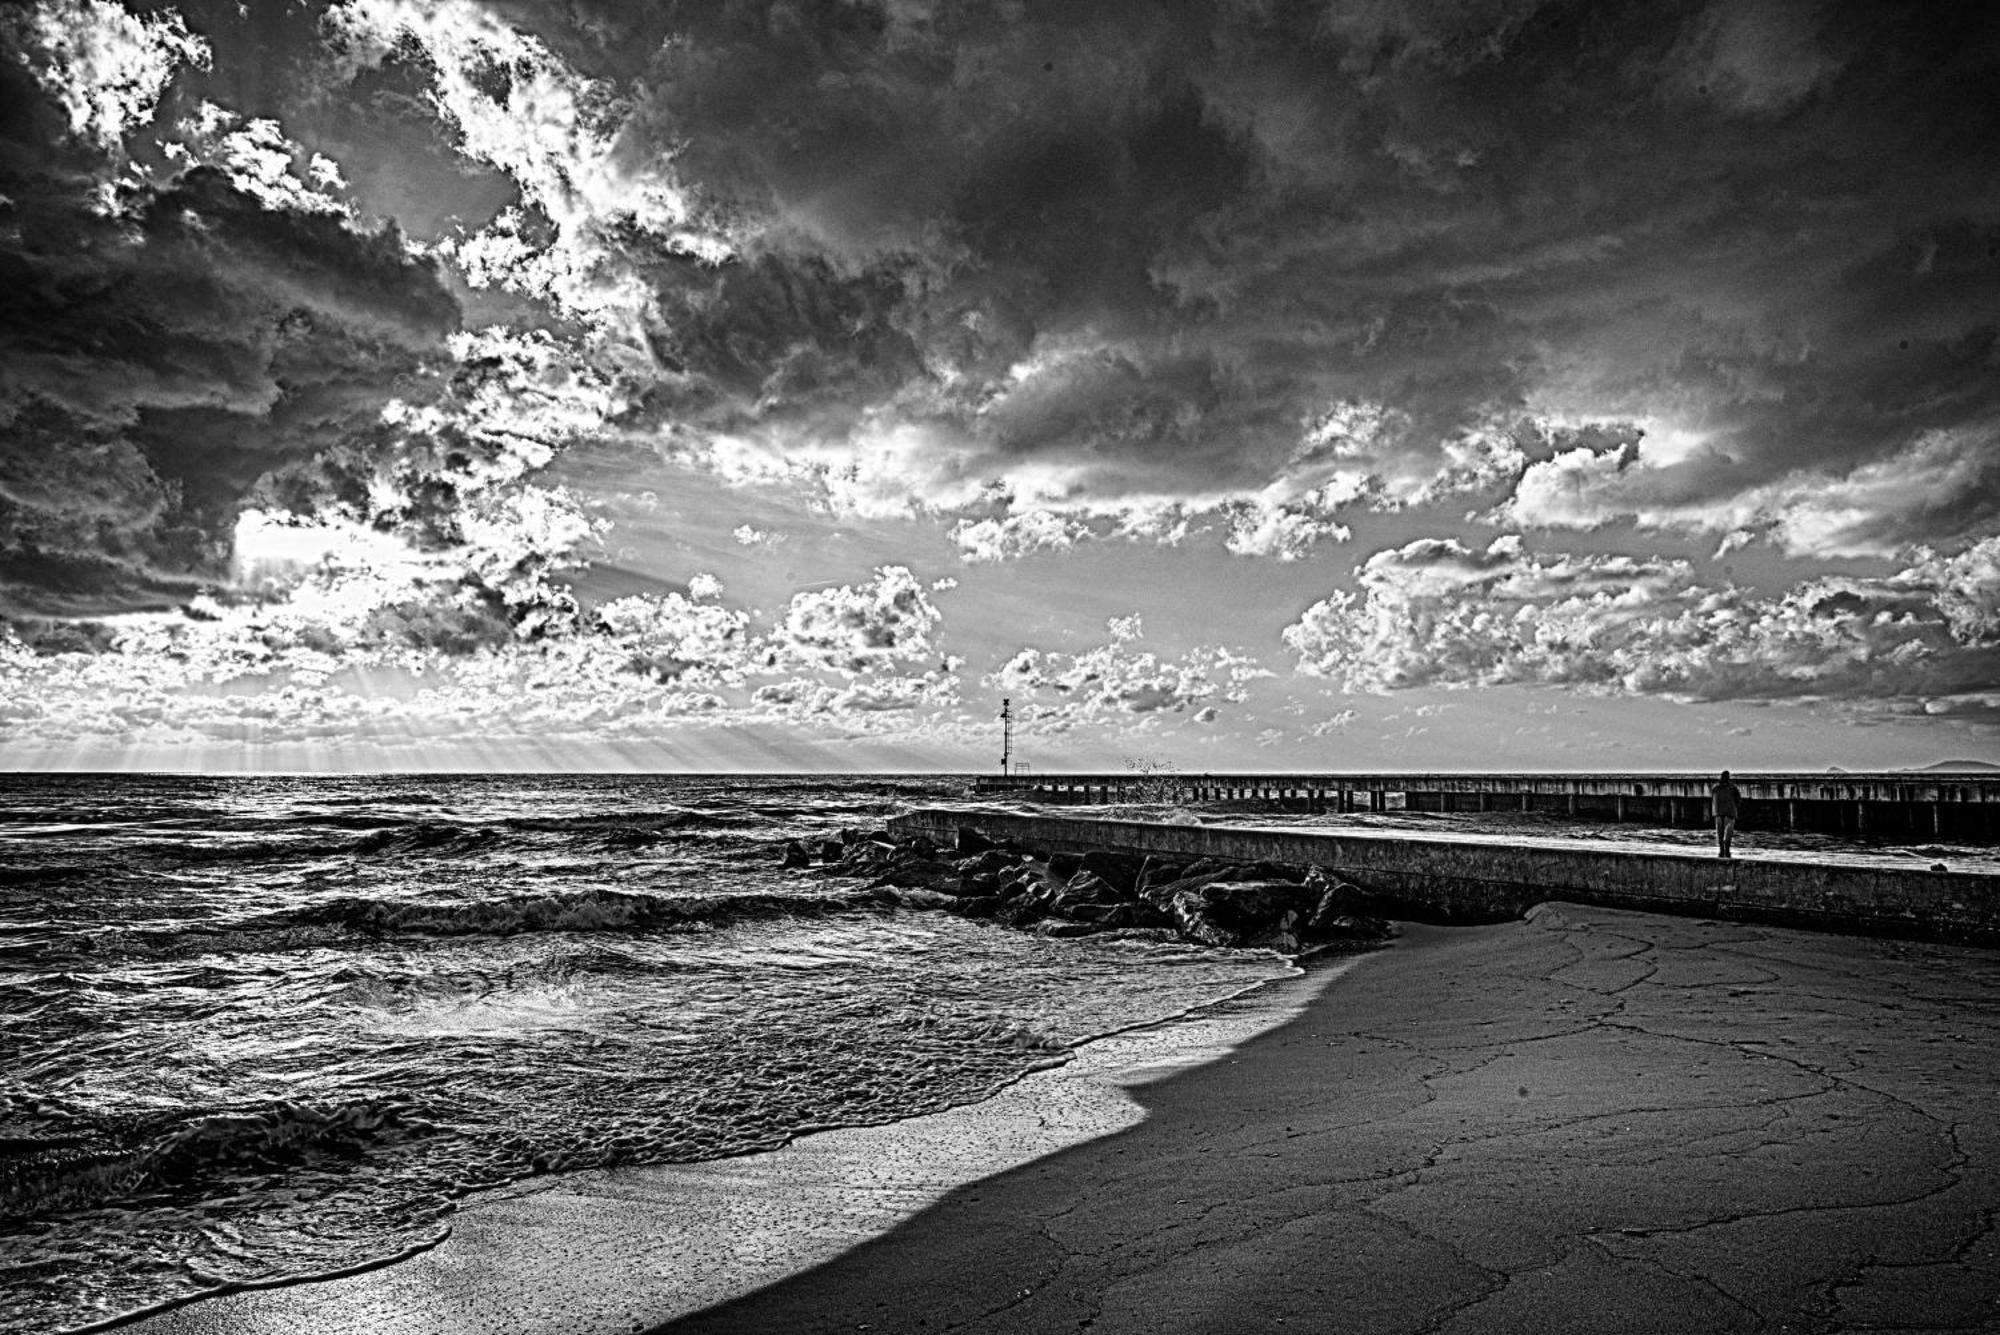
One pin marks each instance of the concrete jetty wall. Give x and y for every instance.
(1433, 879)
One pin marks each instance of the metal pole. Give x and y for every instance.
(1006, 736)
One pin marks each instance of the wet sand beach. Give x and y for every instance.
(1587, 1121)
(619, 1249)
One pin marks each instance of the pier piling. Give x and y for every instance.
(1911, 806)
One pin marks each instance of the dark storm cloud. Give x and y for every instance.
(163, 346)
(1127, 251)
(1005, 183)
(771, 340)
(1199, 227)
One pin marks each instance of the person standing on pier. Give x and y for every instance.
(1724, 796)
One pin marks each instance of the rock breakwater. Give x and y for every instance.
(1211, 902)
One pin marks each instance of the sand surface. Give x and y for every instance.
(1589, 1121)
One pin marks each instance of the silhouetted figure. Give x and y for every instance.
(1724, 796)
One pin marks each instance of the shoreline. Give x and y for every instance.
(1590, 1119)
(531, 1255)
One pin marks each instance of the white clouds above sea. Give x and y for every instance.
(1121, 680)
(1923, 639)
(353, 651)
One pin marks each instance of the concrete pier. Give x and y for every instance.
(1892, 806)
(1434, 879)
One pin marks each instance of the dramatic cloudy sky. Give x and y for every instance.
(749, 385)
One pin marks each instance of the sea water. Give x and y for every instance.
(258, 1028)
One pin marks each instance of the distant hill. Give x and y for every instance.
(1958, 767)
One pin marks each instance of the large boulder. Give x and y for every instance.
(1129, 914)
(1161, 893)
(1086, 887)
(1269, 905)
(1339, 911)
(1332, 898)
(1026, 894)
(980, 883)
(1240, 913)
(1023, 877)
(1019, 910)
(1120, 870)
(982, 875)
(796, 855)
(923, 873)
(1254, 904)
(1281, 936)
(861, 856)
(1156, 871)
(992, 860)
(1191, 920)
(974, 906)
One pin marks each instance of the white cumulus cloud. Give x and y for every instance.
(1017, 535)
(558, 133)
(1119, 680)
(104, 66)
(859, 628)
(1436, 613)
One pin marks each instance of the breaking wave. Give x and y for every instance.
(577, 911)
(353, 834)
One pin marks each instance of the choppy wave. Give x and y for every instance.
(354, 921)
(31, 873)
(271, 1027)
(578, 911)
(85, 1167)
(409, 799)
(673, 818)
(373, 834)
